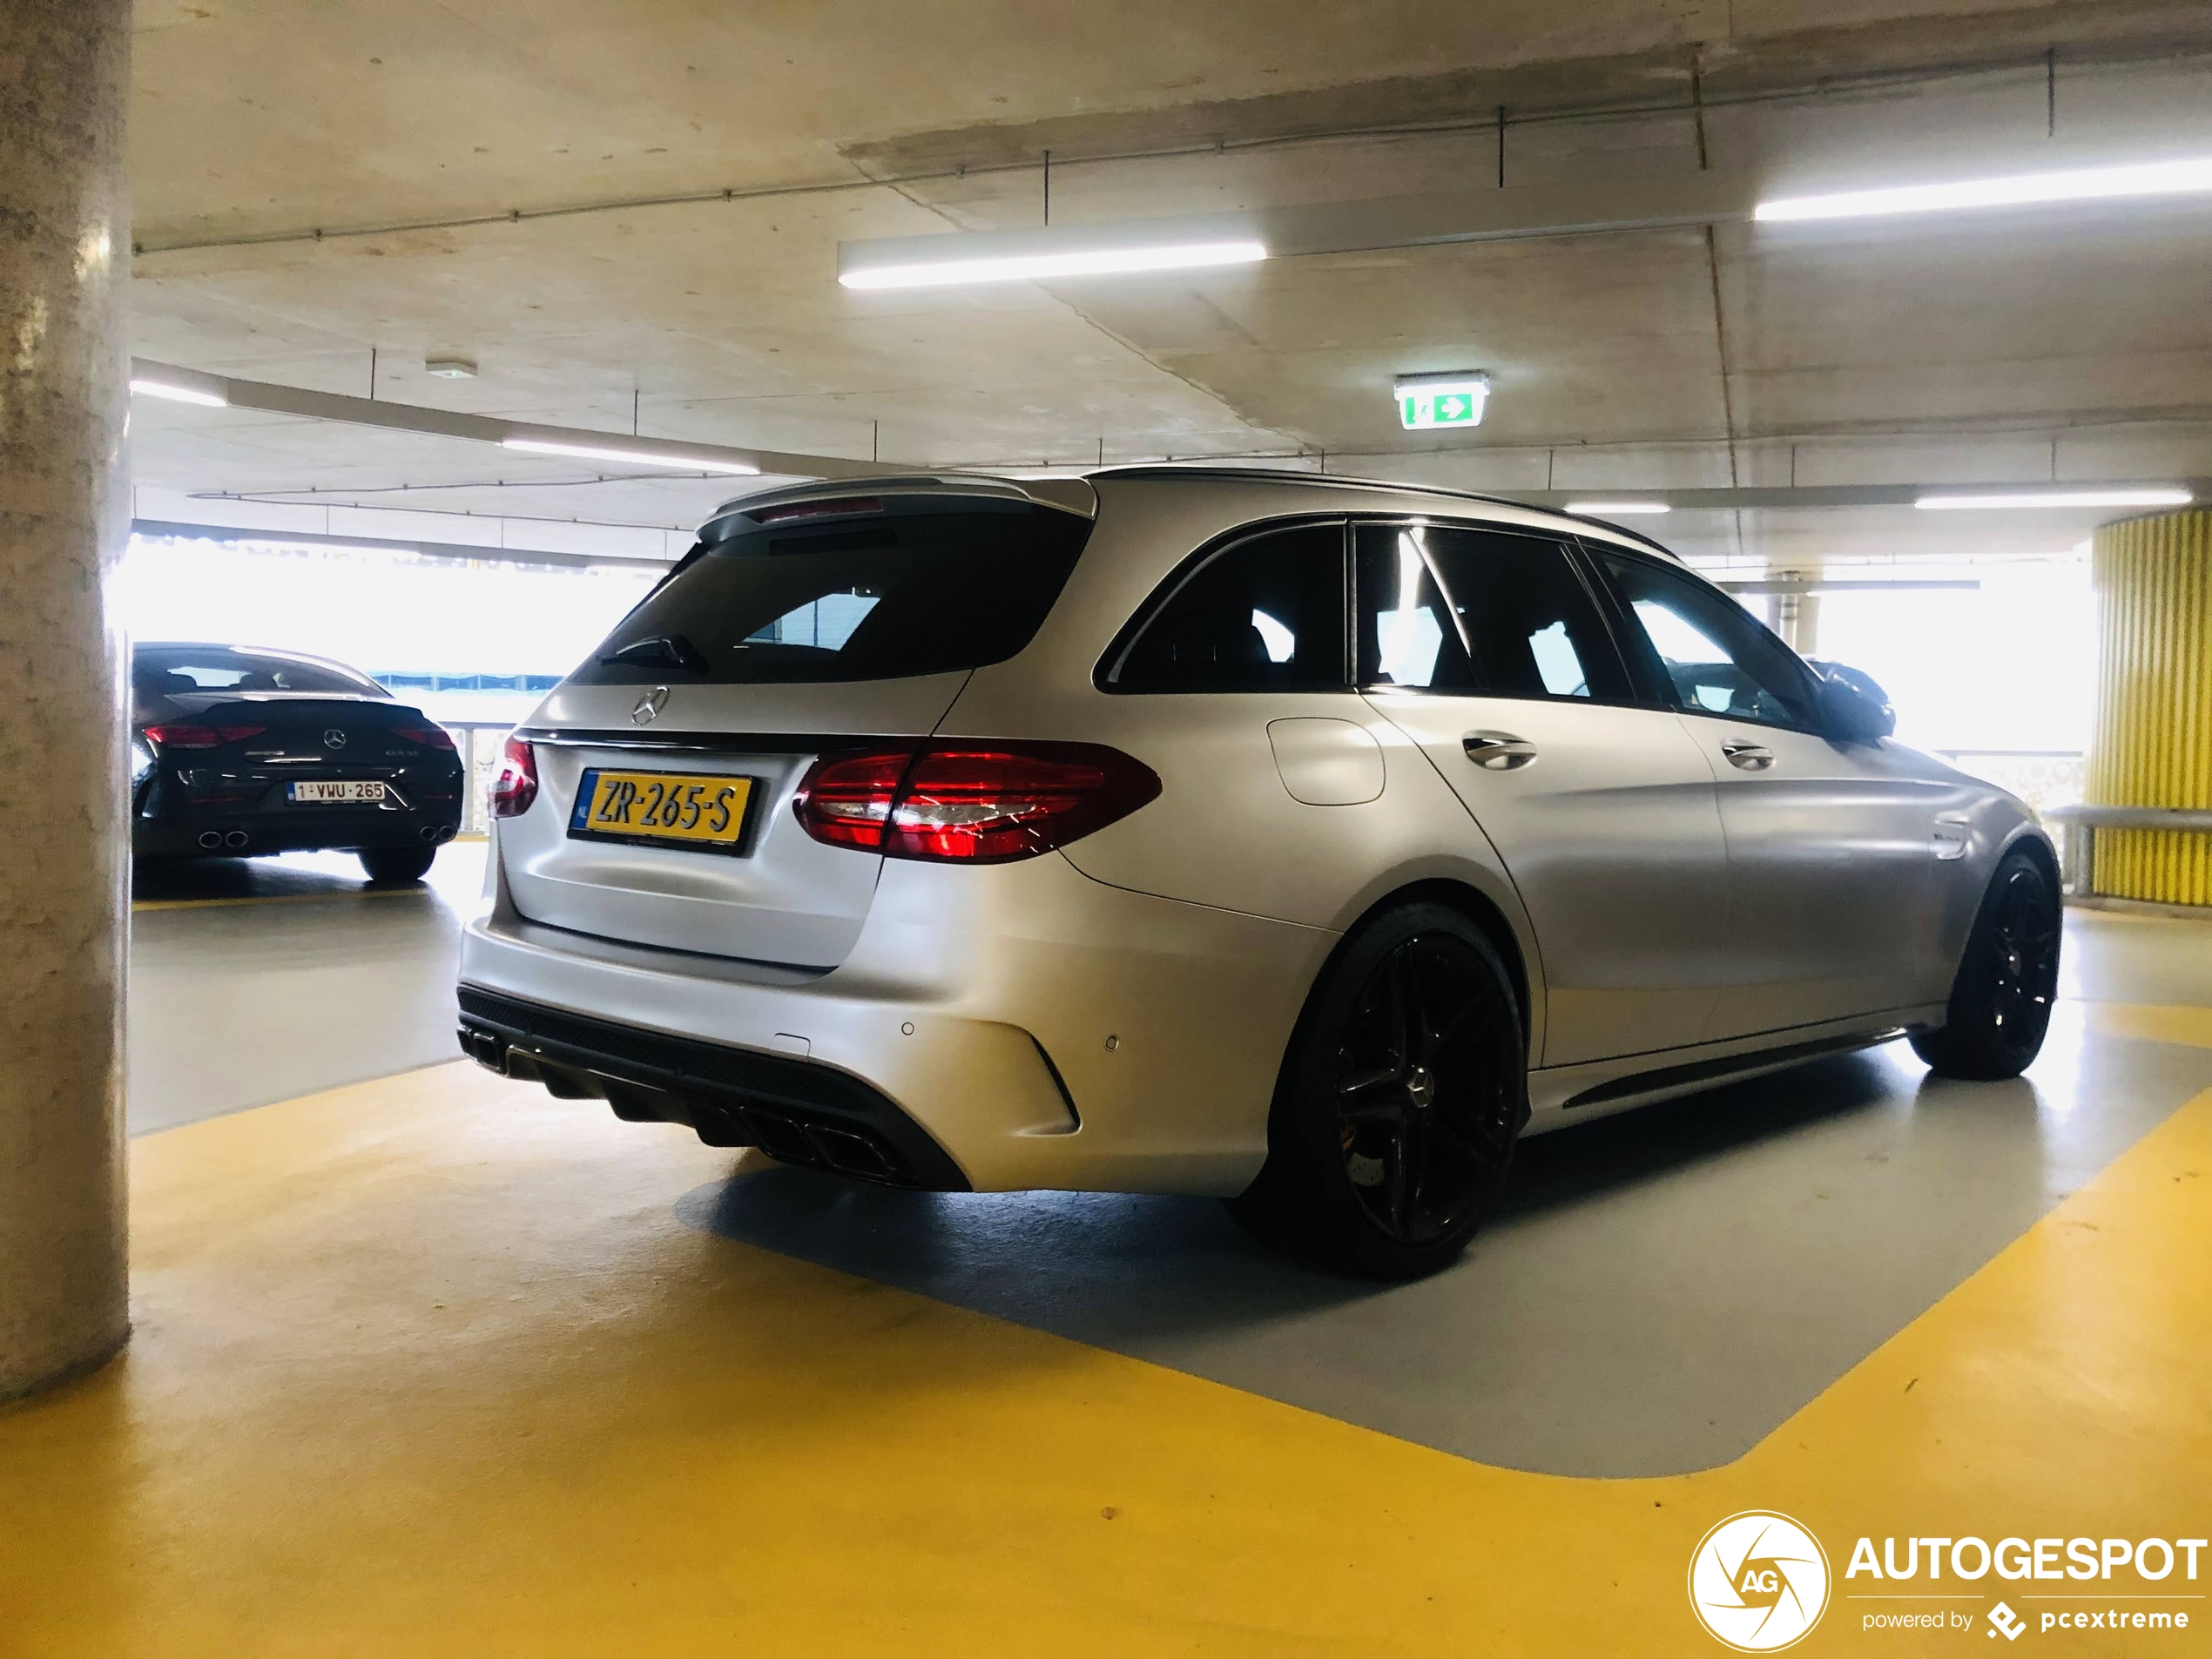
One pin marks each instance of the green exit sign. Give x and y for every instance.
(1456, 398)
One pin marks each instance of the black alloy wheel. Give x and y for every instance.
(2008, 980)
(1400, 1103)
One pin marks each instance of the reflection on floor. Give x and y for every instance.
(1732, 1254)
(437, 1365)
(259, 980)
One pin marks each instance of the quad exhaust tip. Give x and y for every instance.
(236, 839)
(210, 839)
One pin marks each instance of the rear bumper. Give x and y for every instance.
(186, 833)
(796, 1111)
(1043, 1029)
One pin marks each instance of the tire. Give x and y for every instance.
(1404, 1090)
(397, 864)
(2000, 1003)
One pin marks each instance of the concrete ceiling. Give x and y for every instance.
(540, 184)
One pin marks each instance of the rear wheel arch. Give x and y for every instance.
(1485, 913)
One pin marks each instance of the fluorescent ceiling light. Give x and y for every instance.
(177, 393)
(1027, 267)
(1608, 509)
(634, 457)
(2081, 184)
(2155, 497)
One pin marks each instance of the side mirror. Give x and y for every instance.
(1853, 706)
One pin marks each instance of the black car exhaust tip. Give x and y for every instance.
(236, 839)
(427, 832)
(210, 839)
(484, 1048)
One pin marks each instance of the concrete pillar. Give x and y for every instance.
(2152, 742)
(64, 860)
(1794, 613)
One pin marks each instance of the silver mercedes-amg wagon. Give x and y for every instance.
(1297, 840)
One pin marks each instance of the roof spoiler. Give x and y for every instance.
(1068, 495)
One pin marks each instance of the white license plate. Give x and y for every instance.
(326, 791)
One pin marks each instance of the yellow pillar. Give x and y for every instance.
(2152, 745)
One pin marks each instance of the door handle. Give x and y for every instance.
(1498, 751)
(1750, 757)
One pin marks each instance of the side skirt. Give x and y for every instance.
(1562, 1095)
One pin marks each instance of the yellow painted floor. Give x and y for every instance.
(428, 1366)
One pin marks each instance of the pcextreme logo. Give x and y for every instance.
(1758, 1581)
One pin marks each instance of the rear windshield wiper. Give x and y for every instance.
(663, 650)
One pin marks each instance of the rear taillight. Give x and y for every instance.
(971, 802)
(515, 787)
(846, 801)
(200, 737)
(183, 737)
(430, 737)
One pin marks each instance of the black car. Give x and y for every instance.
(236, 751)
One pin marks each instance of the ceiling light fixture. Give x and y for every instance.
(634, 457)
(177, 393)
(1451, 397)
(451, 367)
(1616, 509)
(1034, 268)
(2021, 189)
(2156, 496)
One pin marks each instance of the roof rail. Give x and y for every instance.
(1271, 474)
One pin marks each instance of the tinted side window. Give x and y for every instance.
(1265, 614)
(1407, 635)
(1486, 612)
(1706, 655)
(1531, 626)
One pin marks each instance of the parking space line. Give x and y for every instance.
(436, 1357)
(137, 904)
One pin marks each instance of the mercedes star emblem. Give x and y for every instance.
(333, 738)
(648, 706)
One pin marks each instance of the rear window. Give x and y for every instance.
(881, 592)
(170, 673)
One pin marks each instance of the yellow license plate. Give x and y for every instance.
(687, 808)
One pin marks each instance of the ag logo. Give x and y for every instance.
(1758, 1581)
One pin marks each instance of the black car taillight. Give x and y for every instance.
(957, 802)
(515, 787)
(183, 737)
(199, 737)
(430, 736)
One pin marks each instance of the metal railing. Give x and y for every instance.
(2082, 823)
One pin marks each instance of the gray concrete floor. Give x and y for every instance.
(259, 980)
(1663, 1289)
